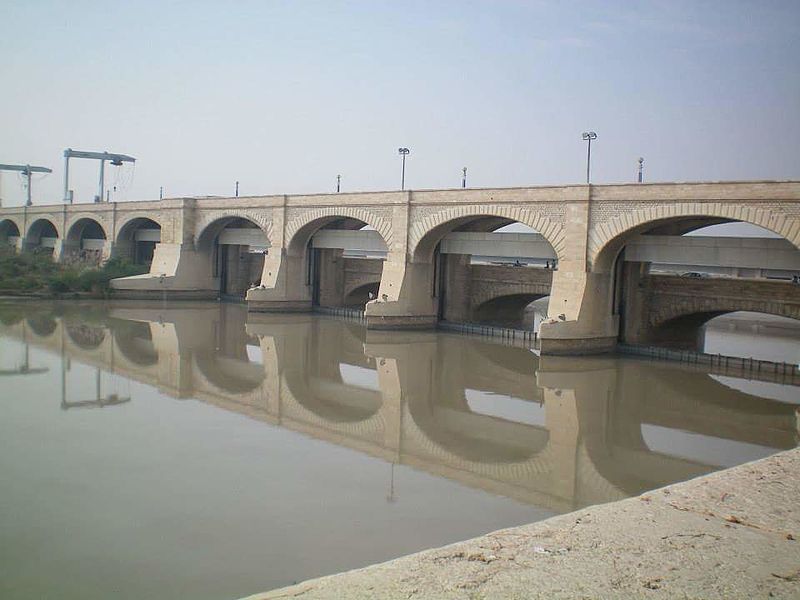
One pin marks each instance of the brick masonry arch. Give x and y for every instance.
(15, 222)
(128, 219)
(548, 223)
(377, 218)
(606, 238)
(101, 220)
(52, 219)
(675, 298)
(262, 218)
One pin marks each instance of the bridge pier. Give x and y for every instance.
(284, 285)
(405, 298)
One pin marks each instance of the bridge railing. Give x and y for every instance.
(342, 312)
(515, 337)
(720, 364)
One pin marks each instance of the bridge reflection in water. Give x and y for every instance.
(559, 433)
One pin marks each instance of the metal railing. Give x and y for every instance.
(752, 368)
(341, 312)
(516, 337)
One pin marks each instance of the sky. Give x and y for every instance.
(283, 96)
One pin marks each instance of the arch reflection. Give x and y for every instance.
(556, 432)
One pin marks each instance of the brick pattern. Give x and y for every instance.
(612, 219)
(379, 217)
(669, 297)
(547, 218)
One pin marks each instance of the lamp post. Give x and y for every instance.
(588, 136)
(641, 167)
(403, 153)
(338, 183)
(464, 177)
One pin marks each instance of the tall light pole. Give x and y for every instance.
(464, 177)
(338, 183)
(403, 153)
(237, 189)
(641, 167)
(588, 136)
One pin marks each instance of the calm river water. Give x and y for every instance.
(193, 451)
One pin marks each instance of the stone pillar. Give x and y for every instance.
(285, 286)
(406, 297)
(331, 277)
(580, 302)
(457, 288)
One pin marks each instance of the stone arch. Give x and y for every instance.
(702, 310)
(9, 228)
(232, 375)
(86, 337)
(127, 228)
(128, 246)
(85, 225)
(39, 228)
(302, 227)
(213, 218)
(607, 239)
(359, 295)
(208, 230)
(426, 232)
(506, 309)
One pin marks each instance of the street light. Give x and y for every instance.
(641, 167)
(588, 136)
(338, 183)
(464, 177)
(403, 152)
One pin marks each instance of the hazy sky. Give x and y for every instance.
(284, 95)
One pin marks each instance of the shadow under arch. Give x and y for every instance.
(138, 251)
(135, 341)
(42, 325)
(508, 310)
(40, 228)
(86, 228)
(84, 336)
(358, 297)
(8, 229)
(477, 437)
(232, 375)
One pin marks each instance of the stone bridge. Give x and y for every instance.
(412, 401)
(671, 309)
(262, 246)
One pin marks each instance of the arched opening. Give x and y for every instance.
(237, 247)
(670, 276)
(359, 297)
(341, 259)
(85, 242)
(488, 269)
(42, 325)
(9, 235)
(135, 342)
(519, 311)
(42, 236)
(747, 334)
(85, 336)
(137, 239)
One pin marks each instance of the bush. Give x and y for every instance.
(38, 272)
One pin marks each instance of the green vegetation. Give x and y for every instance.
(31, 273)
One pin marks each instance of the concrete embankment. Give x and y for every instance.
(732, 534)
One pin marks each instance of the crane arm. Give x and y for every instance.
(70, 153)
(25, 168)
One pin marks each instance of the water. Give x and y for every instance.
(193, 451)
